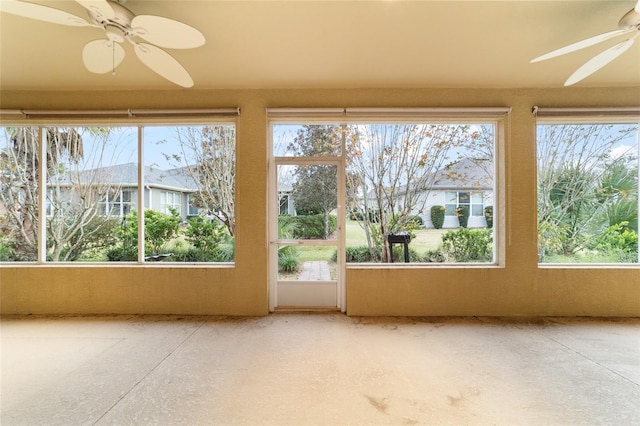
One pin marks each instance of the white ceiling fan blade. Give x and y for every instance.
(99, 7)
(102, 56)
(599, 61)
(42, 13)
(582, 44)
(165, 32)
(164, 64)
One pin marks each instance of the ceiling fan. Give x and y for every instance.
(628, 24)
(119, 23)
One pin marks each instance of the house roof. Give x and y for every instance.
(464, 174)
(178, 179)
(467, 173)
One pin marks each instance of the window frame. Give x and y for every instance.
(139, 119)
(499, 117)
(584, 116)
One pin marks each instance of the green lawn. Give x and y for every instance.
(426, 239)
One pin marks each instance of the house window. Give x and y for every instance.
(117, 203)
(170, 201)
(193, 209)
(587, 191)
(472, 201)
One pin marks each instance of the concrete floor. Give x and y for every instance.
(308, 369)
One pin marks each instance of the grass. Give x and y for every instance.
(426, 239)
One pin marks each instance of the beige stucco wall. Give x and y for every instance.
(519, 288)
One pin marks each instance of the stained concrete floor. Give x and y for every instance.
(312, 369)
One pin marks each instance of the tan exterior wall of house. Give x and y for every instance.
(517, 288)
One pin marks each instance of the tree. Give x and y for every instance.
(19, 162)
(75, 183)
(581, 184)
(391, 168)
(315, 187)
(209, 154)
(619, 190)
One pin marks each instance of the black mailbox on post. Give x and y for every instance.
(403, 238)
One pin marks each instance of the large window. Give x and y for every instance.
(429, 182)
(93, 207)
(587, 191)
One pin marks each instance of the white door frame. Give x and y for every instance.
(273, 212)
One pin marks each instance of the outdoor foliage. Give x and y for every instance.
(208, 241)
(463, 216)
(618, 242)
(310, 226)
(468, 245)
(356, 254)
(204, 234)
(208, 159)
(392, 168)
(288, 256)
(488, 215)
(315, 186)
(585, 191)
(76, 159)
(437, 216)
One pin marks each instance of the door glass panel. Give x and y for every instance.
(309, 140)
(307, 202)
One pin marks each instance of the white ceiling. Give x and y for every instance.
(335, 44)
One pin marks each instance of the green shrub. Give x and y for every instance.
(205, 236)
(123, 253)
(617, 239)
(463, 215)
(488, 215)
(468, 245)
(288, 262)
(356, 215)
(415, 220)
(437, 216)
(433, 256)
(356, 254)
(7, 250)
(97, 234)
(307, 227)
(159, 228)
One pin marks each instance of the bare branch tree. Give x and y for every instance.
(393, 167)
(209, 153)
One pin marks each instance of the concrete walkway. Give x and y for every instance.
(316, 270)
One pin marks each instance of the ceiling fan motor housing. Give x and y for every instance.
(630, 20)
(118, 28)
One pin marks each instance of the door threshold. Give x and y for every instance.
(324, 309)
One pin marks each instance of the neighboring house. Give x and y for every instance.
(467, 182)
(163, 189)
